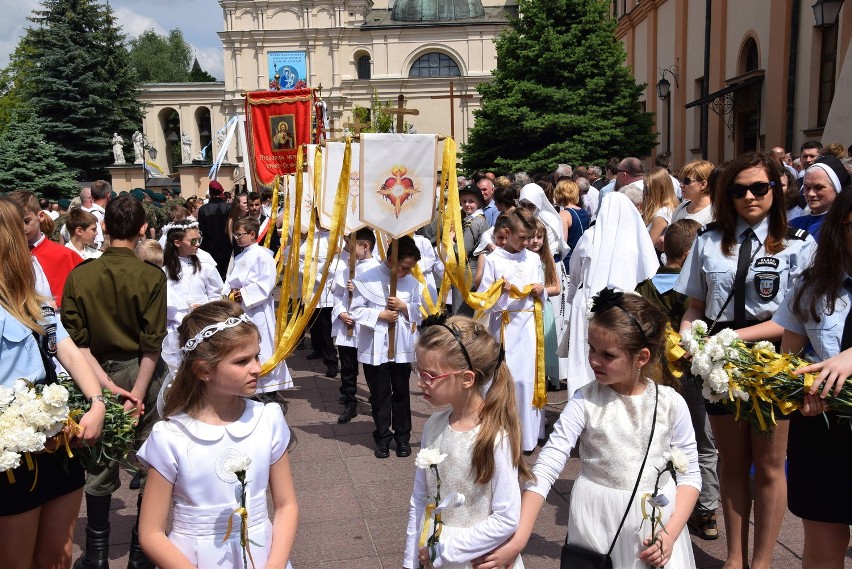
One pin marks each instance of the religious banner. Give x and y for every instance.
(278, 123)
(290, 67)
(334, 152)
(397, 181)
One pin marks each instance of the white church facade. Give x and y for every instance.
(352, 50)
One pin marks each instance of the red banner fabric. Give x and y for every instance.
(278, 123)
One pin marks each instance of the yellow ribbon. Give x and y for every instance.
(674, 352)
(244, 540)
(424, 534)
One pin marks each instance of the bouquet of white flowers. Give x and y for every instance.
(29, 416)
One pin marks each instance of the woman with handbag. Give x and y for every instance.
(629, 416)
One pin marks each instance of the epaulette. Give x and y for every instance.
(794, 233)
(709, 227)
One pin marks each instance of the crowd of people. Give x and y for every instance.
(169, 304)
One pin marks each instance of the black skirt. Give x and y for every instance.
(56, 475)
(819, 465)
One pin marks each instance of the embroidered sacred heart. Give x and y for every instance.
(399, 189)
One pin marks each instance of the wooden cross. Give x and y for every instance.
(452, 97)
(356, 126)
(400, 111)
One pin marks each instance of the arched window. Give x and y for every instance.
(363, 64)
(434, 65)
(750, 58)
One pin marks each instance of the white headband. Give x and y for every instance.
(209, 331)
(179, 225)
(832, 175)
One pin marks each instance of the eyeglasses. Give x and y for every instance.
(757, 189)
(429, 379)
(195, 241)
(240, 235)
(687, 181)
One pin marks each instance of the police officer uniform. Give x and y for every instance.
(742, 290)
(818, 447)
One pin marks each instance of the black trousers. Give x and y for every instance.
(348, 374)
(321, 336)
(390, 400)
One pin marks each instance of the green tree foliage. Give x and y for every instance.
(12, 102)
(161, 59)
(29, 162)
(561, 92)
(77, 80)
(198, 75)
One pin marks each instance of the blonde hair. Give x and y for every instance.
(567, 193)
(187, 391)
(17, 284)
(659, 193)
(151, 251)
(547, 262)
(499, 413)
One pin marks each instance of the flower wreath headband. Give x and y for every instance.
(211, 330)
(610, 298)
(183, 226)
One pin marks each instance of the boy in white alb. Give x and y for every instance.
(373, 309)
(342, 323)
(250, 282)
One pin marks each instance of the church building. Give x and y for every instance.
(354, 50)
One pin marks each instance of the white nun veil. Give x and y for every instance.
(545, 211)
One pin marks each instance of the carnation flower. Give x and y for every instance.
(9, 460)
(6, 396)
(429, 457)
(238, 464)
(764, 345)
(727, 337)
(699, 327)
(718, 380)
(55, 395)
(679, 460)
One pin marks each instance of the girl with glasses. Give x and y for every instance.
(460, 367)
(191, 281)
(737, 275)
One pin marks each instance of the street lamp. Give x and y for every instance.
(826, 12)
(664, 88)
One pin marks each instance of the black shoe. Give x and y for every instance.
(348, 414)
(136, 481)
(137, 558)
(331, 372)
(403, 450)
(313, 356)
(96, 554)
(382, 450)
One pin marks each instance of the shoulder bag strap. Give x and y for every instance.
(641, 469)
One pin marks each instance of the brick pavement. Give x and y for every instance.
(354, 507)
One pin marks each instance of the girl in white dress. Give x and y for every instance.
(459, 364)
(193, 455)
(611, 421)
(517, 266)
(190, 281)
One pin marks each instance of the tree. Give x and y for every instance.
(29, 162)
(78, 81)
(561, 92)
(161, 59)
(198, 75)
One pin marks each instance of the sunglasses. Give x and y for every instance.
(429, 379)
(757, 189)
(687, 181)
(195, 241)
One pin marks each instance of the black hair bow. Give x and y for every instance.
(607, 298)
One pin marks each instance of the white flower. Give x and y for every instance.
(714, 350)
(679, 460)
(28, 440)
(6, 396)
(718, 380)
(9, 460)
(238, 464)
(727, 337)
(55, 395)
(739, 394)
(699, 327)
(590, 303)
(708, 394)
(702, 365)
(428, 457)
(764, 345)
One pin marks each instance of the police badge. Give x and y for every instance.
(767, 285)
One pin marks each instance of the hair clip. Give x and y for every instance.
(211, 330)
(609, 298)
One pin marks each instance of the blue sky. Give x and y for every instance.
(199, 20)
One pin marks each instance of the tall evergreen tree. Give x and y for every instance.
(561, 92)
(85, 88)
(28, 162)
(198, 75)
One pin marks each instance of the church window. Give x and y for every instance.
(827, 66)
(364, 71)
(434, 65)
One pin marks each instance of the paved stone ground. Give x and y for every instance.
(354, 507)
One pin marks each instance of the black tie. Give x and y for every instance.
(743, 263)
(846, 339)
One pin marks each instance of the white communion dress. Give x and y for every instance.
(491, 511)
(192, 456)
(612, 431)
